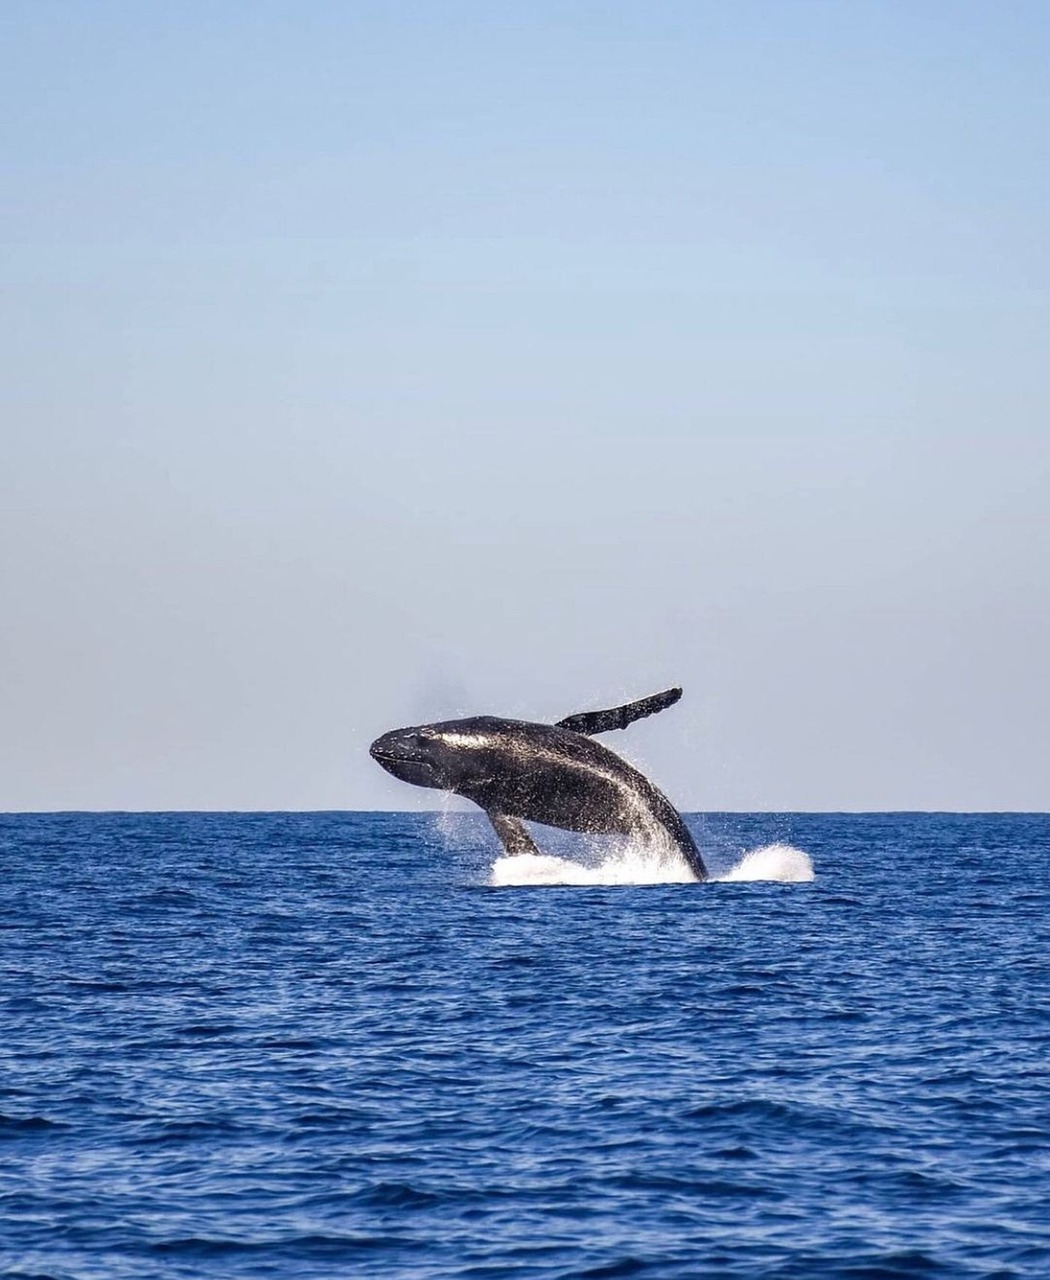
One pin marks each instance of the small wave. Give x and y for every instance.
(11, 1126)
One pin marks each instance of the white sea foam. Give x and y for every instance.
(780, 862)
(776, 862)
(627, 867)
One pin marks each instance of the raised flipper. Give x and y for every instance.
(512, 833)
(618, 717)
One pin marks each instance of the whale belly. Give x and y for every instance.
(573, 799)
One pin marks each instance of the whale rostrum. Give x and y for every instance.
(555, 774)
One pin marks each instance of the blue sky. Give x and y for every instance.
(368, 364)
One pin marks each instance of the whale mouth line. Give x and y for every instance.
(396, 757)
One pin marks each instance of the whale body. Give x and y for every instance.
(556, 774)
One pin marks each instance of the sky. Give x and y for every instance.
(368, 364)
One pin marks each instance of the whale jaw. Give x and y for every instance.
(405, 754)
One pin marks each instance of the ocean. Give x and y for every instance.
(326, 1044)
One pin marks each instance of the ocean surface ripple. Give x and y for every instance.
(317, 1045)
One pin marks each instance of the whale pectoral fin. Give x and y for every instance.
(589, 722)
(512, 833)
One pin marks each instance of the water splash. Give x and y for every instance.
(782, 863)
(626, 867)
(635, 865)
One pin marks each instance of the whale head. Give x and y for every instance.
(443, 756)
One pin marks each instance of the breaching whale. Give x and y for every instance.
(554, 774)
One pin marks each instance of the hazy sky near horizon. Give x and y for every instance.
(367, 364)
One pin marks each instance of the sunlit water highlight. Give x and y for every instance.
(320, 1045)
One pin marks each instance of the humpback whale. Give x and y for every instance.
(555, 774)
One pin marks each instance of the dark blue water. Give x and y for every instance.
(317, 1045)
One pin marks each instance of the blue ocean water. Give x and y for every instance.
(317, 1045)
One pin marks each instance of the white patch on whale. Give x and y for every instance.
(465, 739)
